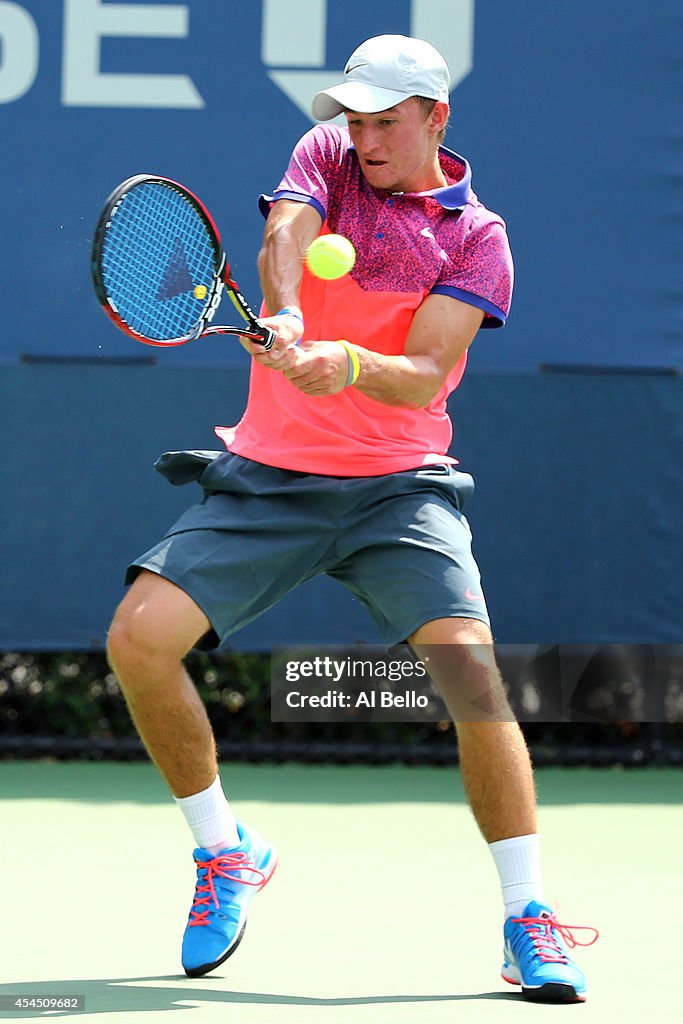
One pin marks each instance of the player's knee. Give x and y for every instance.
(155, 626)
(466, 673)
(121, 642)
(135, 641)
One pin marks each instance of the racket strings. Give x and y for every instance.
(156, 252)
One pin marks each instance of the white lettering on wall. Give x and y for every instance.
(87, 22)
(19, 52)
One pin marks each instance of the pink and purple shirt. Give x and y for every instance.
(408, 246)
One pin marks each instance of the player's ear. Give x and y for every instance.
(439, 117)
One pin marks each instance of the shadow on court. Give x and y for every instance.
(137, 995)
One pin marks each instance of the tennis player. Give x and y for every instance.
(340, 465)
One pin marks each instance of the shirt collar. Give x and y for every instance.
(454, 197)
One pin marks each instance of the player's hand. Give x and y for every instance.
(321, 368)
(282, 354)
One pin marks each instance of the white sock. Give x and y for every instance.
(518, 861)
(210, 818)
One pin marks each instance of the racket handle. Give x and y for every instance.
(259, 334)
(267, 339)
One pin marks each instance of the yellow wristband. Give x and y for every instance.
(354, 362)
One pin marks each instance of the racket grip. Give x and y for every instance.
(267, 338)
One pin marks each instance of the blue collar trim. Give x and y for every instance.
(454, 197)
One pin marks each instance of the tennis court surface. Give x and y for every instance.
(385, 906)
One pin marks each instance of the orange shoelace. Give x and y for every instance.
(222, 866)
(548, 949)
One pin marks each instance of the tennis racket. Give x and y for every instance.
(159, 269)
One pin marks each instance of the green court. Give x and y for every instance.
(385, 906)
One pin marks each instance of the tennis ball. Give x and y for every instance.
(330, 257)
(200, 291)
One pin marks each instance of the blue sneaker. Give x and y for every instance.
(226, 884)
(536, 958)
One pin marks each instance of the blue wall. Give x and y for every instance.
(570, 117)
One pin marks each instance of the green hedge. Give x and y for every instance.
(69, 704)
(74, 695)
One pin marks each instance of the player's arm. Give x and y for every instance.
(443, 328)
(290, 229)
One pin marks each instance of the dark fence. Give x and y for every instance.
(621, 705)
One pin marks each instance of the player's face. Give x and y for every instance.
(396, 147)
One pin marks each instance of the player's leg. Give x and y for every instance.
(498, 779)
(218, 568)
(155, 626)
(423, 583)
(494, 759)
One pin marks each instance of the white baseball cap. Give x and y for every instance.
(382, 72)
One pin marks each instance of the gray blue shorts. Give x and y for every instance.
(399, 542)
